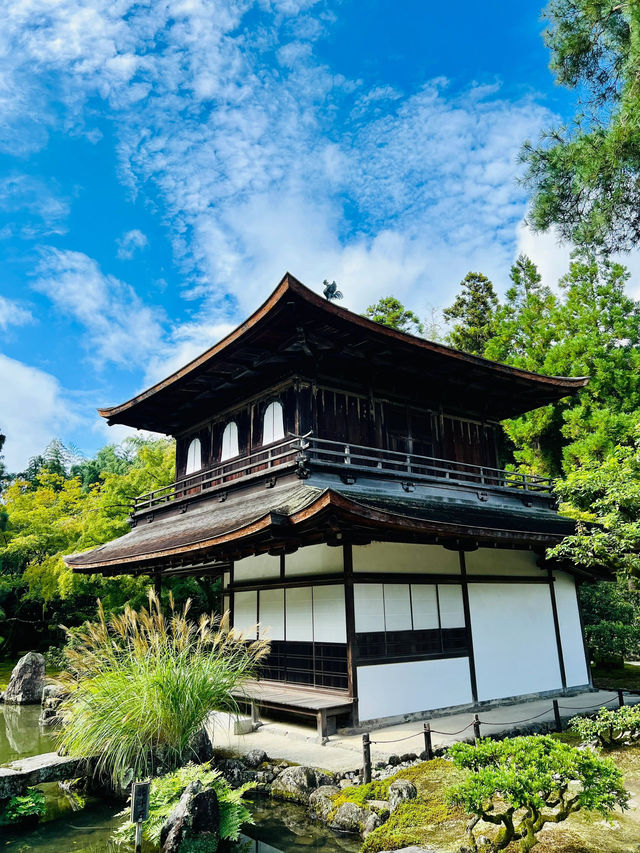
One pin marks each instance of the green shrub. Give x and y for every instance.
(609, 727)
(520, 784)
(167, 790)
(25, 807)
(142, 685)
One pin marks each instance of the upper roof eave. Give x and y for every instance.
(289, 284)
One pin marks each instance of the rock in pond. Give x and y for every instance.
(53, 695)
(27, 681)
(297, 783)
(321, 801)
(400, 791)
(352, 818)
(254, 758)
(197, 814)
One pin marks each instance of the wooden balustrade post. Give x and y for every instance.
(428, 746)
(476, 727)
(366, 758)
(621, 698)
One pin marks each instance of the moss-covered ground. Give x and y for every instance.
(430, 822)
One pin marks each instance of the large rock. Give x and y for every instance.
(355, 819)
(297, 783)
(321, 801)
(254, 758)
(197, 814)
(400, 791)
(53, 695)
(27, 681)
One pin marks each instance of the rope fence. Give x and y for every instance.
(427, 731)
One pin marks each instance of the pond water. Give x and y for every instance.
(67, 827)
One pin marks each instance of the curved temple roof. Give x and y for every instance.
(296, 329)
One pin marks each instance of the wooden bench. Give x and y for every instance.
(324, 705)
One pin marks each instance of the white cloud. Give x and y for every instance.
(34, 408)
(13, 314)
(263, 159)
(46, 212)
(130, 243)
(119, 327)
(553, 257)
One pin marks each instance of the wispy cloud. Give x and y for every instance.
(30, 208)
(12, 313)
(34, 408)
(120, 328)
(131, 242)
(264, 158)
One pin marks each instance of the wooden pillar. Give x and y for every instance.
(350, 618)
(467, 621)
(556, 625)
(157, 584)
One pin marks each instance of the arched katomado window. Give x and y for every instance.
(273, 424)
(194, 456)
(229, 441)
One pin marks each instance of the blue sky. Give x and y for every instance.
(163, 164)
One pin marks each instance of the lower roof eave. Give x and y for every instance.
(329, 512)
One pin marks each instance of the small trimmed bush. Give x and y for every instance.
(519, 784)
(609, 728)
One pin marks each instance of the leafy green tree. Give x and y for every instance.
(3, 470)
(592, 329)
(55, 514)
(475, 310)
(520, 784)
(389, 311)
(586, 177)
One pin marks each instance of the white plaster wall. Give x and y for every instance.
(575, 664)
(514, 639)
(388, 690)
(272, 614)
(329, 618)
(502, 561)
(259, 567)
(314, 560)
(245, 612)
(400, 557)
(299, 614)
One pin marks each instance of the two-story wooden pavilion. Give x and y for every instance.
(342, 478)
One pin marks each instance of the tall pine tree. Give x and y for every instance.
(475, 310)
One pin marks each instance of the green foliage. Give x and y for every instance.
(389, 311)
(520, 784)
(25, 807)
(142, 685)
(606, 491)
(475, 308)
(60, 511)
(611, 615)
(166, 791)
(585, 178)
(609, 727)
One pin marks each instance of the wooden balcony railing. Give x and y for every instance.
(324, 453)
(307, 453)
